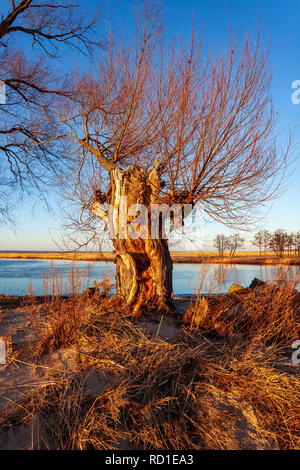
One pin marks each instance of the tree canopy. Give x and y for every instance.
(205, 119)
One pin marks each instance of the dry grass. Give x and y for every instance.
(243, 257)
(72, 256)
(60, 416)
(194, 391)
(56, 321)
(192, 394)
(269, 313)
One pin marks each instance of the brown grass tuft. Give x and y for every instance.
(56, 322)
(270, 312)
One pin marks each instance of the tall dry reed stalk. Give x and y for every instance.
(56, 317)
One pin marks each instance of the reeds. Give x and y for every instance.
(270, 312)
(56, 320)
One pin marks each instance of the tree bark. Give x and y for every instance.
(143, 265)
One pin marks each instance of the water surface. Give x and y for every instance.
(17, 274)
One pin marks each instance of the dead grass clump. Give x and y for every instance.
(61, 417)
(271, 312)
(195, 399)
(272, 394)
(191, 394)
(57, 321)
(274, 313)
(194, 395)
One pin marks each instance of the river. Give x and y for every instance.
(17, 274)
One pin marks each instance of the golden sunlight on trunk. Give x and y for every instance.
(143, 265)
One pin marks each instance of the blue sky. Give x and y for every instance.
(280, 21)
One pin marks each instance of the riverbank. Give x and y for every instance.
(178, 257)
(83, 373)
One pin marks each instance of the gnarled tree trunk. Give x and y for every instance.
(143, 265)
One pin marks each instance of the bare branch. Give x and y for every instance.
(207, 119)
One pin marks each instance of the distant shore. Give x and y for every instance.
(178, 257)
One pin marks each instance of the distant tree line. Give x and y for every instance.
(280, 242)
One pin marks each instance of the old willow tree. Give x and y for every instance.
(169, 126)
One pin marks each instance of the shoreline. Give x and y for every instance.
(177, 257)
